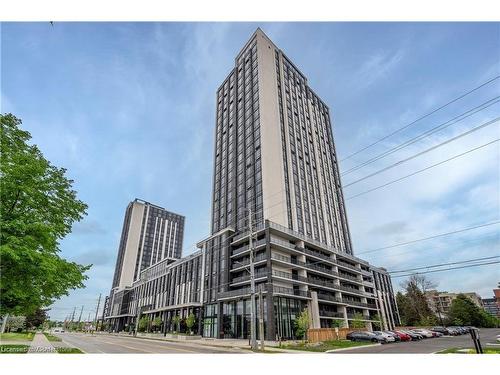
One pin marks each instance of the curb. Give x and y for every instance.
(353, 348)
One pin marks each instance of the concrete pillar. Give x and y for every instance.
(346, 321)
(313, 308)
(271, 319)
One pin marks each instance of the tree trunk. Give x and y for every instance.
(4, 323)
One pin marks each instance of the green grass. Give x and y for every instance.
(18, 336)
(324, 346)
(62, 350)
(13, 349)
(469, 351)
(51, 338)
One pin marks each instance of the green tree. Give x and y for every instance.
(465, 312)
(336, 324)
(176, 321)
(377, 323)
(156, 323)
(38, 208)
(427, 321)
(36, 319)
(413, 305)
(143, 324)
(302, 324)
(16, 323)
(358, 321)
(190, 320)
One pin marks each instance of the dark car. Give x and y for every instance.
(365, 336)
(455, 331)
(440, 329)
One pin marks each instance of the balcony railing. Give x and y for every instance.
(246, 262)
(327, 297)
(291, 292)
(247, 247)
(347, 265)
(304, 264)
(234, 293)
(258, 275)
(357, 303)
(257, 228)
(331, 314)
(354, 316)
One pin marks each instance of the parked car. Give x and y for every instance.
(441, 330)
(414, 336)
(58, 330)
(427, 334)
(388, 337)
(396, 337)
(454, 331)
(498, 338)
(402, 336)
(365, 336)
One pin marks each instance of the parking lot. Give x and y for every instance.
(430, 345)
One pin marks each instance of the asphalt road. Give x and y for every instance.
(487, 335)
(119, 344)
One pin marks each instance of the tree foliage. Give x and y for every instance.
(337, 323)
(143, 324)
(38, 208)
(16, 323)
(465, 312)
(413, 306)
(302, 324)
(190, 320)
(176, 321)
(36, 319)
(358, 322)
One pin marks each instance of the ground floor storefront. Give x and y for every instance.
(225, 319)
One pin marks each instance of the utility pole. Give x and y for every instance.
(80, 317)
(253, 342)
(73, 315)
(261, 319)
(96, 311)
(440, 311)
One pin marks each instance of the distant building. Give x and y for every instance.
(492, 305)
(440, 302)
(150, 234)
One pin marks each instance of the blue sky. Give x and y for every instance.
(129, 109)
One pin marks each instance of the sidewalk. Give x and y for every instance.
(211, 342)
(40, 345)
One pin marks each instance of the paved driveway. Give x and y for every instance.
(487, 335)
(119, 344)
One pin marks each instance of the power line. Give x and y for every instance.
(431, 237)
(422, 170)
(425, 134)
(447, 269)
(420, 118)
(462, 242)
(424, 152)
(446, 264)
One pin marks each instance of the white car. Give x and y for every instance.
(389, 338)
(423, 332)
(57, 330)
